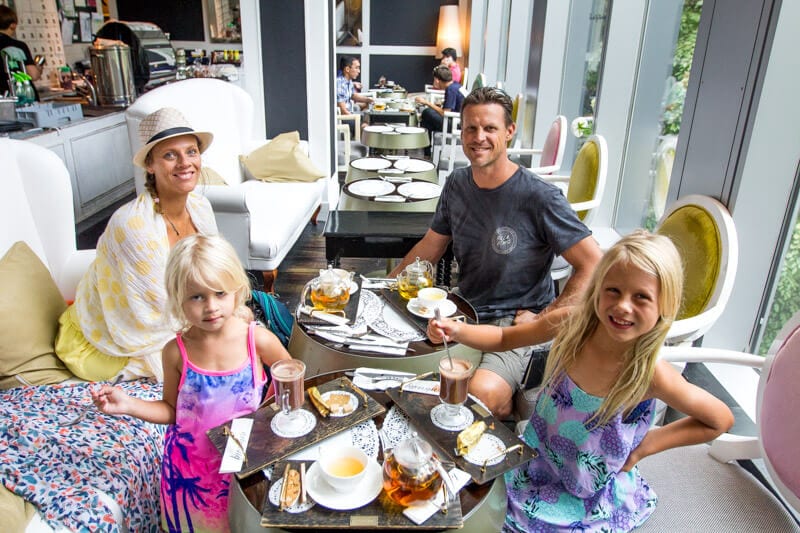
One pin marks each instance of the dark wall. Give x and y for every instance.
(411, 72)
(284, 55)
(181, 19)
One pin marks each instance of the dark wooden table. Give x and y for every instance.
(483, 506)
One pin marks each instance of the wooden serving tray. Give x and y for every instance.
(380, 513)
(418, 408)
(265, 447)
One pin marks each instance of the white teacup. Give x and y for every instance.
(430, 298)
(343, 467)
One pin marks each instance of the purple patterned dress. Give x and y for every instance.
(194, 496)
(576, 483)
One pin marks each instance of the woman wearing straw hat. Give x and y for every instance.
(117, 324)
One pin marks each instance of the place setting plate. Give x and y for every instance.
(410, 129)
(378, 129)
(412, 165)
(370, 188)
(420, 190)
(370, 163)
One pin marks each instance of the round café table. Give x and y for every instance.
(395, 138)
(483, 506)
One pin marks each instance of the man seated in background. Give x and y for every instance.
(449, 59)
(433, 115)
(348, 100)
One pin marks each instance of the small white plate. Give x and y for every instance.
(419, 190)
(370, 187)
(349, 407)
(378, 129)
(412, 165)
(370, 163)
(410, 129)
(488, 446)
(446, 308)
(275, 499)
(367, 489)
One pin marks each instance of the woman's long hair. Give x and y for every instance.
(655, 255)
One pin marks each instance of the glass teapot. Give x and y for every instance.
(411, 471)
(330, 291)
(416, 276)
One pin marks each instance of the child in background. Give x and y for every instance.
(592, 421)
(212, 373)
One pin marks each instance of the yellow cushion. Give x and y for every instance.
(583, 179)
(282, 159)
(697, 238)
(80, 356)
(209, 176)
(30, 304)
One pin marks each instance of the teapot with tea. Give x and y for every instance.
(416, 276)
(411, 471)
(330, 291)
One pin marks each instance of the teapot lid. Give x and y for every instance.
(419, 266)
(413, 452)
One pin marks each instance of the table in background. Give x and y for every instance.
(483, 506)
(394, 141)
(366, 228)
(391, 116)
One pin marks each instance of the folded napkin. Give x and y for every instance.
(364, 378)
(419, 511)
(390, 198)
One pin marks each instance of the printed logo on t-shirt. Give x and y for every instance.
(504, 240)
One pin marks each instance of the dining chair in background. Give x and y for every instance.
(549, 157)
(583, 187)
(705, 235)
(704, 488)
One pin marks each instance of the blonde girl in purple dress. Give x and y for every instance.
(592, 420)
(213, 372)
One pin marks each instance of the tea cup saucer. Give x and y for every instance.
(367, 489)
(446, 308)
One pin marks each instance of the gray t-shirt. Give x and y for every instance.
(505, 239)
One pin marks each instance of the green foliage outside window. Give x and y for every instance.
(787, 294)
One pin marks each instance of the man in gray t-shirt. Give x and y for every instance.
(507, 225)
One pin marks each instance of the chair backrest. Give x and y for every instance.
(704, 233)
(480, 81)
(36, 205)
(209, 105)
(465, 78)
(554, 144)
(665, 157)
(778, 403)
(516, 112)
(588, 177)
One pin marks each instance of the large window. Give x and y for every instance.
(665, 64)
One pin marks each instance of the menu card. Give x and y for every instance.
(265, 447)
(418, 407)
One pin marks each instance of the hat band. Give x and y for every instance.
(169, 132)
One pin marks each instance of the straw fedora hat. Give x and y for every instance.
(164, 124)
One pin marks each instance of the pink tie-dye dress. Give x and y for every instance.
(194, 496)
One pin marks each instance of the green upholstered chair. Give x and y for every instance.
(585, 183)
(704, 233)
(480, 81)
(583, 188)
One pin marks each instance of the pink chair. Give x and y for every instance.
(551, 154)
(700, 488)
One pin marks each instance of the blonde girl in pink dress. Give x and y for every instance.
(213, 372)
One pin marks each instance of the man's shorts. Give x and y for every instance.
(511, 364)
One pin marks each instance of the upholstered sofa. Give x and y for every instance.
(261, 219)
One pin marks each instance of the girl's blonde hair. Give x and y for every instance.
(655, 255)
(210, 261)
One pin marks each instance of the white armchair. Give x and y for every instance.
(262, 220)
(36, 207)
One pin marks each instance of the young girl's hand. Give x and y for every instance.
(111, 400)
(443, 329)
